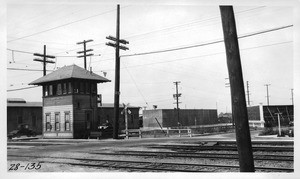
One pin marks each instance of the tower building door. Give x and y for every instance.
(88, 120)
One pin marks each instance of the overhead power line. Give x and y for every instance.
(179, 48)
(24, 69)
(208, 43)
(22, 88)
(178, 59)
(60, 26)
(191, 23)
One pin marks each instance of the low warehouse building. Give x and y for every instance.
(266, 116)
(187, 117)
(20, 112)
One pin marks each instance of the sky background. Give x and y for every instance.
(147, 80)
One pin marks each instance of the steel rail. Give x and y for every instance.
(205, 153)
(253, 142)
(143, 162)
(198, 155)
(231, 148)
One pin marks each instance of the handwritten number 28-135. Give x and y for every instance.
(29, 166)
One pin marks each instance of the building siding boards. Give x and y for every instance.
(149, 118)
(270, 116)
(253, 113)
(168, 117)
(28, 114)
(52, 110)
(58, 101)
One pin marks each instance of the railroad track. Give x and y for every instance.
(279, 143)
(196, 155)
(219, 147)
(133, 165)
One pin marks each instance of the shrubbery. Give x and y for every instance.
(274, 131)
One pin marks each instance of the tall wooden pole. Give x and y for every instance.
(177, 95)
(117, 78)
(44, 63)
(267, 85)
(238, 100)
(292, 93)
(44, 60)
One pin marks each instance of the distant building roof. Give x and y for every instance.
(67, 72)
(111, 105)
(15, 100)
(19, 102)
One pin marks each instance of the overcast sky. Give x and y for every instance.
(147, 80)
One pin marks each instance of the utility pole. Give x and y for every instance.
(44, 60)
(267, 85)
(117, 46)
(248, 93)
(292, 93)
(176, 96)
(279, 128)
(85, 51)
(126, 111)
(238, 100)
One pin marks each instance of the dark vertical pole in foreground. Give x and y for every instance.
(238, 100)
(44, 63)
(84, 53)
(117, 78)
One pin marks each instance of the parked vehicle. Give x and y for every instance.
(23, 129)
(106, 129)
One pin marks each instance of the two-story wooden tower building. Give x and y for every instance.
(69, 102)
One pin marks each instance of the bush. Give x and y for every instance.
(274, 131)
(267, 131)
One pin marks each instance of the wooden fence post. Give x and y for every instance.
(168, 132)
(140, 133)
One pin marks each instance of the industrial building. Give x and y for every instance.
(20, 112)
(266, 115)
(187, 117)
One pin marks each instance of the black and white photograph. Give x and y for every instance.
(157, 89)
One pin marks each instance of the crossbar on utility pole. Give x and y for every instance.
(85, 51)
(238, 100)
(44, 60)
